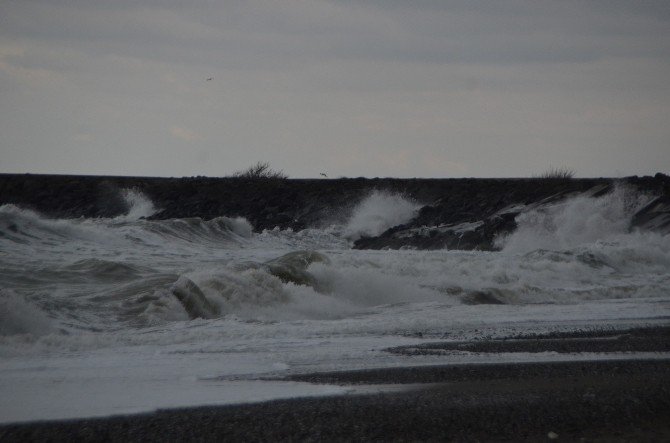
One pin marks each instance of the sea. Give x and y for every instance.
(126, 315)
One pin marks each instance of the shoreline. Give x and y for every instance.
(595, 400)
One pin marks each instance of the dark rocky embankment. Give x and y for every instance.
(455, 213)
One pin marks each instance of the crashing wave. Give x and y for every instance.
(246, 283)
(378, 212)
(139, 205)
(19, 316)
(573, 222)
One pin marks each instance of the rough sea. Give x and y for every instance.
(123, 315)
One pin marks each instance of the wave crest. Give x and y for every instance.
(139, 205)
(18, 316)
(378, 212)
(576, 221)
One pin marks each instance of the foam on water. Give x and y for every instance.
(579, 249)
(25, 230)
(19, 316)
(88, 300)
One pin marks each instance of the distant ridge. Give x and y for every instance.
(301, 203)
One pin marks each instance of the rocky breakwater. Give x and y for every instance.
(453, 214)
(473, 213)
(265, 203)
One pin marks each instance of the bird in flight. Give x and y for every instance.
(324, 175)
(209, 79)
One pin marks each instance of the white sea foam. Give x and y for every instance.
(90, 306)
(19, 316)
(26, 226)
(378, 212)
(239, 226)
(139, 205)
(574, 222)
(117, 235)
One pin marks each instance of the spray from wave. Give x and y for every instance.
(139, 205)
(101, 274)
(574, 222)
(378, 212)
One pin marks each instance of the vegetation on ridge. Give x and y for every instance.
(261, 171)
(562, 173)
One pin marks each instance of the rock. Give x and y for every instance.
(655, 216)
(487, 206)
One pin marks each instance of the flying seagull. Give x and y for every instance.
(209, 79)
(324, 175)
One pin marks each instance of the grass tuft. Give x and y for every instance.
(562, 173)
(260, 171)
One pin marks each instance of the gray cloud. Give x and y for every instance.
(275, 33)
(370, 88)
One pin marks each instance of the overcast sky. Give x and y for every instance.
(349, 88)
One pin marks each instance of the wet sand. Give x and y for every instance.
(608, 400)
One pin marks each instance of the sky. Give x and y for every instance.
(373, 88)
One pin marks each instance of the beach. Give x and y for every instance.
(621, 399)
(334, 221)
(160, 309)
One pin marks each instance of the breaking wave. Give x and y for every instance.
(131, 272)
(378, 212)
(139, 205)
(574, 222)
(27, 227)
(19, 316)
